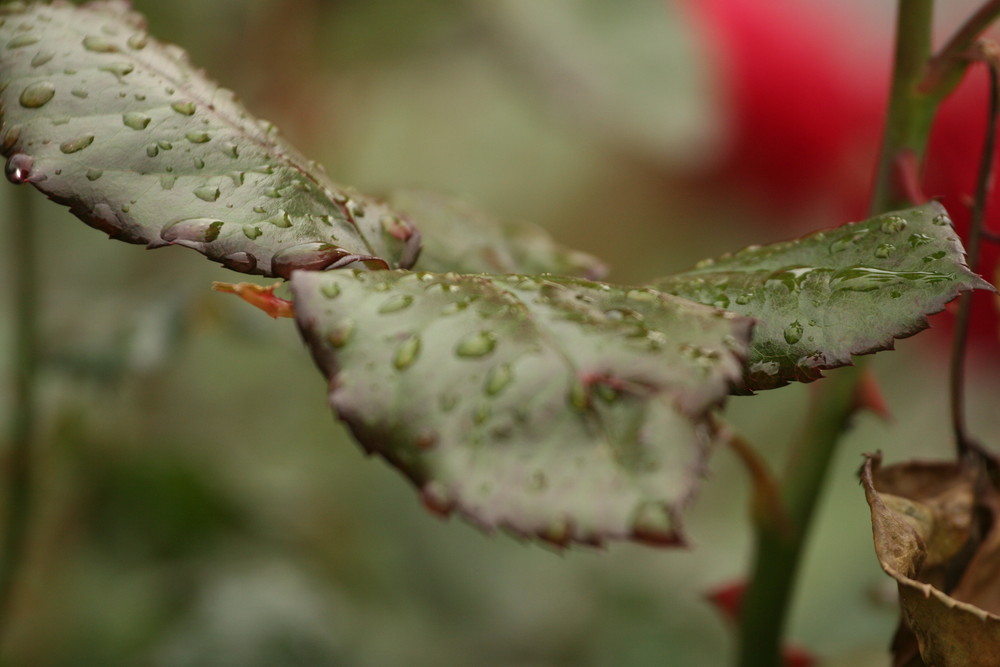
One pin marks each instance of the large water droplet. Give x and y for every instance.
(307, 257)
(22, 40)
(185, 108)
(135, 120)
(793, 332)
(498, 379)
(192, 232)
(207, 192)
(477, 344)
(892, 224)
(395, 303)
(885, 250)
(42, 57)
(407, 353)
(77, 144)
(197, 137)
(99, 44)
(240, 261)
(18, 168)
(37, 94)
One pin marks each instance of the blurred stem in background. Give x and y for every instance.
(23, 254)
(919, 83)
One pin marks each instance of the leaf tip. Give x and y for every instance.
(260, 296)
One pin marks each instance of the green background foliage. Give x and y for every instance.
(199, 505)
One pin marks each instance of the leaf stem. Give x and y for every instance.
(983, 184)
(23, 258)
(778, 549)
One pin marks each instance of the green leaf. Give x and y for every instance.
(460, 237)
(557, 408)
(123, 130)
(820, 299)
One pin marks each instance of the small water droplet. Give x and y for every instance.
(917, 240)
(18, 168)
(934, 256)
(42, 57)
(251, 232)
(941, 220)
(355, 209)
(197, 137)
(395, 303)
(282, 219)
(167, 181)
(185, 108)
(22, 40)
(407, 353)
(436, 498)
(37, 94)
(99, 44)
(135, 120)
(744, 299)
(885, 250)
(207, 192)
(165, 145)
(152, 150)
(230, 149)
(704, 263)
(77, 144)
(80, 92)
(498, 379)
(793, 333)
(243, 262)
(653, 523)
(137, 41)
(341, 335)
(893, 224)
(477, 344)
(120, 70)
(330, 290)
(94, 174)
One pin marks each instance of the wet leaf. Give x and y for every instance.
(121, 128)
(820, 299)
(459, 237)
(927, 520)
(556, 408)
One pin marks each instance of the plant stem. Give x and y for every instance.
(911, 110)
(983, 184)
(946, 68)
(24, 282)
(778, 552)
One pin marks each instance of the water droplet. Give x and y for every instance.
(185, 108)
(934, 256)
(885, 250)
(207, 192)
(230, 149)
(197, 137)
(251, 232)
(198, 163)
(165, 145)
(78, 144)
(744, 299)
(330, 290)
(167, 181)
(654, 524)
(793, 333)
(99, 44)
(308, 257)
(18, 168)
(94, 174)
(240, 261)
(395, 303)
(119, 70)
(477, 344)
(80, 92)
(282, 219)
(10, 137)
(917, 240)
(941, 220)
(152, 150)
(355, 209)
(42, 57)
(407, 353)
(192, 232)
(137, 41)
(893, 224)
(135, 120)
(37, 94)
(22, 40)
(436, 498)
(498, 379)
(341, 335)
(704, 263)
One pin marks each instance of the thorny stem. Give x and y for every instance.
(778, 553)
(23, 255)
(983, 184)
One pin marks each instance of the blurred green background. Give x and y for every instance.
(196, 502)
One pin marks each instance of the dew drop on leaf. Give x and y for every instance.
(77, 144)
(407, 353)
(395, 303)
(135, 120)
(37, 94)
(477, 344)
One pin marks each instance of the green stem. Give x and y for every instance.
(946, 68)
(24, 283)
(779, 550)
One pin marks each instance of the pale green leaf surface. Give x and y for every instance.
(126, 132)
(555, 408)
(820, 299)
(459, 237)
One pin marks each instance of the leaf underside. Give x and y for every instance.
(820, 299)
(139, 144)
(459, 237)
(554, 408)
